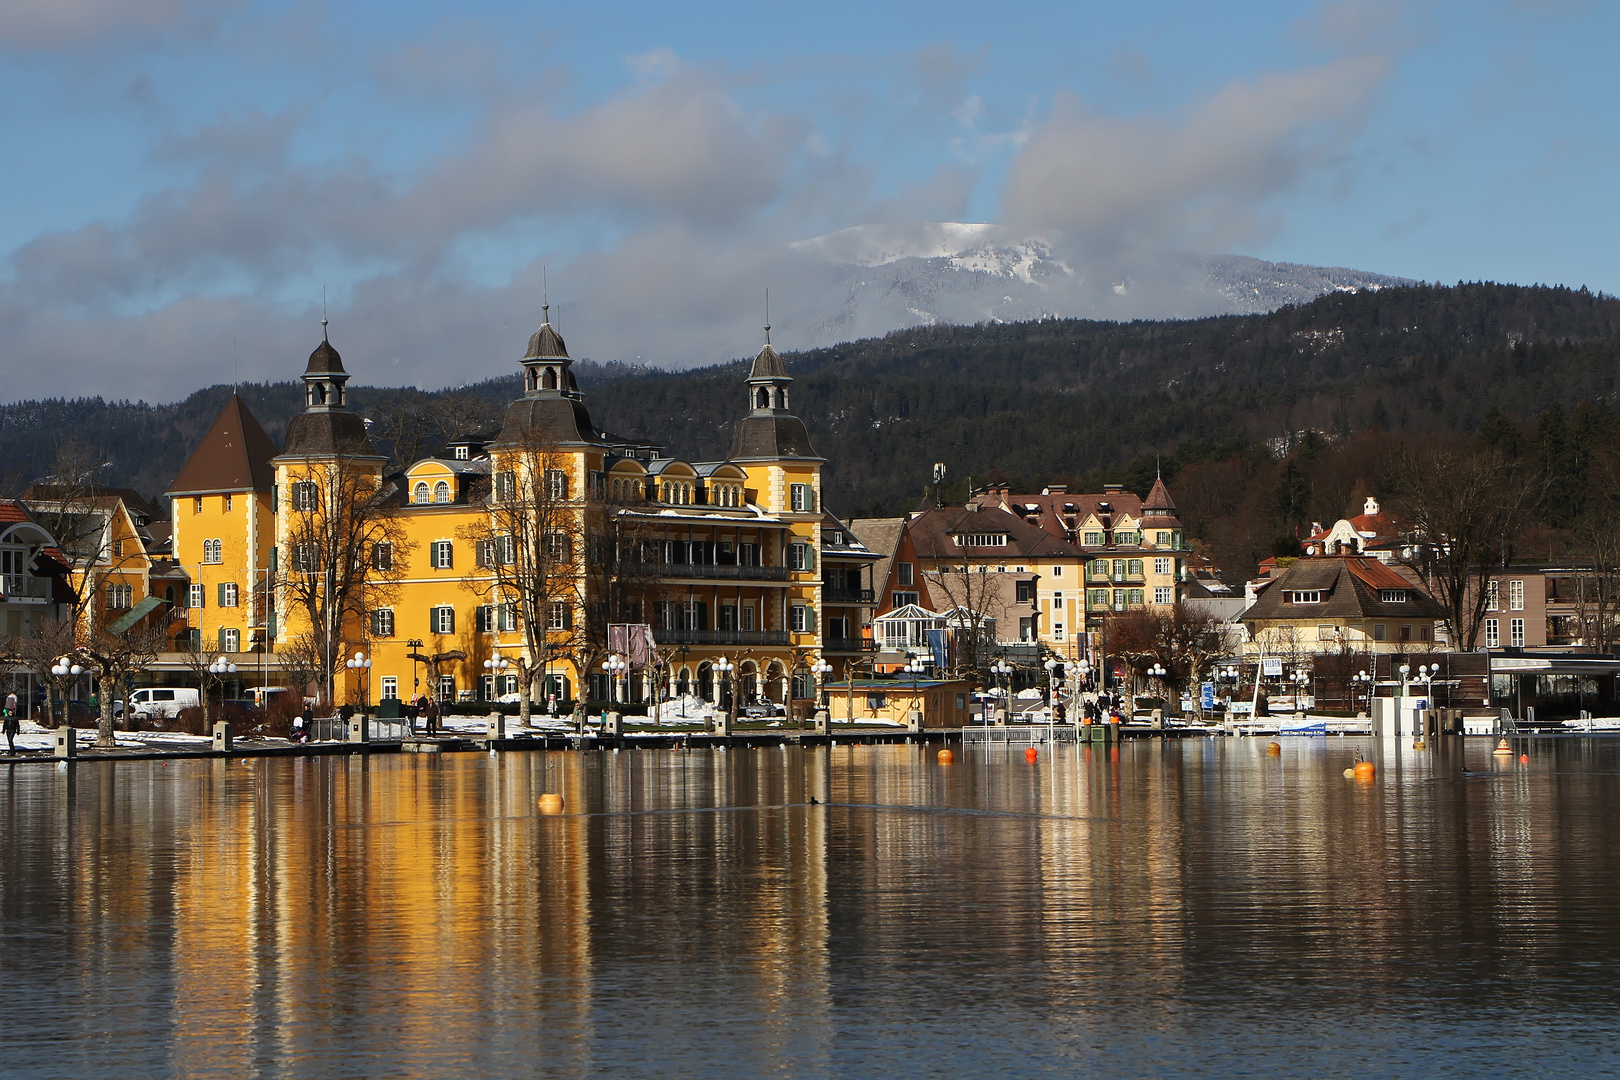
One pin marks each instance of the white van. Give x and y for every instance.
(152, 702)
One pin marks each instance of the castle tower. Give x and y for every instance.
(769, 432)
(551, 408)
(326, 427)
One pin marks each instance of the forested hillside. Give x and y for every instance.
(1063, 400)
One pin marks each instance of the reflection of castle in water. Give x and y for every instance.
(376, 910)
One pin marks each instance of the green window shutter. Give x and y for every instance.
(219, 594)
(1136, 567)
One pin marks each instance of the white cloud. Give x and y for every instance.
(1201, 179)
(54, 24)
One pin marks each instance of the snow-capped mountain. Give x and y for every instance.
(886, 277)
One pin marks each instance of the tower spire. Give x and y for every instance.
(767, 314)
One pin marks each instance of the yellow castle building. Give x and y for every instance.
(537, 559)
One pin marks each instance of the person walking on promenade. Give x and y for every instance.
(432, 714)
(11, 724)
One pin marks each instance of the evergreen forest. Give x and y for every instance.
(1262, 423)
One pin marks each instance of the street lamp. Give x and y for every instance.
(1051, 666)
(1405, 671)
(818, 676)
(360, 664)
(615, 666)
(1004, 670)
(495, 666)
(62, 669)
(415, 645)
(220, 669)
(1365, 681)
(1300, 678)
(725, 668)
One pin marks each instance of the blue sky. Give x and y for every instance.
(183, 180)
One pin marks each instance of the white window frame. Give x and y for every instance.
(229, 595)
(382, 622)
(906, 575)
(306, 496)
(443, 554)
(213, 551)
(390, 687)
(1164, 566)
(230, 640)
(1516, 596)
(1516, 633)
(1493, 634)
(1164, 594)
(1493, 595)
(198, 595)
(444, 619)
(802, 498)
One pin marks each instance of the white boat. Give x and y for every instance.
(1606, 723)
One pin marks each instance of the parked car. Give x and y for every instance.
(768, 708)
(238, 709)
(82, 710)
(162, 702)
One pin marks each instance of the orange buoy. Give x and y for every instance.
(1524, 759)
(1365, 770)
(1419, 744)
(1030, 754)
(1274, 749)
(551, 803)
(946, 757)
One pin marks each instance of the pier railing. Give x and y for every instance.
(1009, 735)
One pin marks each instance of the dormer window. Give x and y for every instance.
(419, 494)
(441, 492)
(1304, 596)
(1392, 596)
(461, 453)
(982, 540)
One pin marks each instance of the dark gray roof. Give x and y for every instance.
(771, 436)
(325, 360)
(332, 432)
(768, 365)
(1350, 588)
(554, 420)
(546, 344)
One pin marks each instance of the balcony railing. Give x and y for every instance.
(721, 637)
(23, 587)
(830, 595)
(709, 570)
(848, 644)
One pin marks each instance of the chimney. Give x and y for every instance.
(1055, 489)
(1113, 487)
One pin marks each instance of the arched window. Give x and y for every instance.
(686, 494)
(320, 393)
(441, 492)
(420, 493)
(550, 379)
(763, 399)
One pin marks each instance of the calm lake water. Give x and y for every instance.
(1161, 909)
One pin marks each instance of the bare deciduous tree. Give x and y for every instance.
(38, 650)
(345, 554)
(117, 656)
(531, 548)
(1465, 507)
